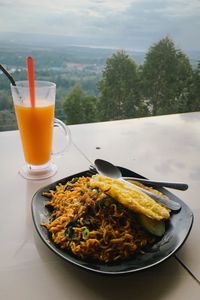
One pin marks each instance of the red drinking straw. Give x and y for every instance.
(31, 81)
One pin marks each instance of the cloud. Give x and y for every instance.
(119, 23)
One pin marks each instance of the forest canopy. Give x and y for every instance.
(165, 83)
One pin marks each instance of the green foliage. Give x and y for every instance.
(165, 83)
(119, 87)
(194, 103)
(78, 107)
(7, 120)
(53, 57)
(5, 101)
(167, 76)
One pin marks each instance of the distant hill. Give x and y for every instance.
(57, 48)
(54, 51)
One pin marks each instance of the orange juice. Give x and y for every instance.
(36, 130)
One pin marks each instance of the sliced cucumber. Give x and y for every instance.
(153, 226)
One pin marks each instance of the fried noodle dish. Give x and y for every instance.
(94, 219)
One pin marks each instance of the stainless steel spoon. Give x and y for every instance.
(107, 169)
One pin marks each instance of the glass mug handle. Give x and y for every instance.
(64, 129)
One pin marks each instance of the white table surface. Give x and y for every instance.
(165, 147)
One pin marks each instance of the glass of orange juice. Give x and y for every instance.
(36, 125)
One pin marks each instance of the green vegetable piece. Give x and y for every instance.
(74, 179)
(85, 233)
(153, 226)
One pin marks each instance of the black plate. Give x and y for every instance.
(177, 231)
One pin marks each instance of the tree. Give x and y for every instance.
(7, 120)
(5, 101)
(78, 107)
(119, 89)
(194, 104)
(167, 76)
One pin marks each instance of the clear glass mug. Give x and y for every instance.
(36, 128)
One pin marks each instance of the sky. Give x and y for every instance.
(130, 24)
